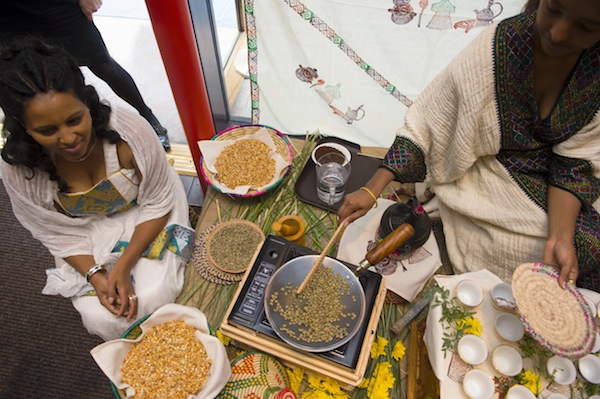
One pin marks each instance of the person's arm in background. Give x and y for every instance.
(89, 7)
(563, 208)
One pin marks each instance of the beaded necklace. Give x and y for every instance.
(83, 158)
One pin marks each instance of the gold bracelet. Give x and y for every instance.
(371, 194)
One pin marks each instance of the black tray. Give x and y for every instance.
(363, 168)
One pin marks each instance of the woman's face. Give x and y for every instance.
(567, 27)
(61, 123)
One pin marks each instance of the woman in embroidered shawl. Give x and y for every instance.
(93, 185)
(508, 135)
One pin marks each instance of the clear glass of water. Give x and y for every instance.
(332, 177)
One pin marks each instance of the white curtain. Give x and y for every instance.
(351, 68)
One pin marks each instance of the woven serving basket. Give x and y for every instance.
(558, 319)
(132, 333)
(257, 375)
(282, 145)
(239, 223)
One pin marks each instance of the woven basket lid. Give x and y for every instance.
(257, 375)
(558, 319)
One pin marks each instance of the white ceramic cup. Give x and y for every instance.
(563, 370)
(520, 392)
(507, 360)
(472, 349)
(502, 296)
(322, 149)
(509, 327)
(596, 347)
(477, 384)
(589, 367)
(469, 293)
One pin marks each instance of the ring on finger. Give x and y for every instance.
(132, 297)
(571, 281)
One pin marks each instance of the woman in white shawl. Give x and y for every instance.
(94, 186)
(508, 135)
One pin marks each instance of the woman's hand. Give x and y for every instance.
(100, 283)
(121, 293)
(563, 209)
(562, 254)
(355, 205)
(89, 7)
(358, 203)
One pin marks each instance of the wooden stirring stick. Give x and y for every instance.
(333, 239)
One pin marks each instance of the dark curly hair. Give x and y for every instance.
(29, 67)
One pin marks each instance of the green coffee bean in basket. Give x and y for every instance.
(232, 245)
(317, 311)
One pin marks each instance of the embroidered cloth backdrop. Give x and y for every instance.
(351, 68)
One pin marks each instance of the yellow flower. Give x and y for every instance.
(398, 351)
(296, 376)
(324, 389)
(332, 386)
(531, 380)
(364, 383)
(314, 381)
(378, 348)
(381, 382)
(469, 325)
(224, 339)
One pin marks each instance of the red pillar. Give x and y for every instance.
(172, 24)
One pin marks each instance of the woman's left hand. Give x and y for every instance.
(562, 254)
(121, 292)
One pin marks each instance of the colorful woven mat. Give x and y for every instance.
(257, 375)
(558, 319)
(205, 267)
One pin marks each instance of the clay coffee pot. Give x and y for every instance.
(410, 212)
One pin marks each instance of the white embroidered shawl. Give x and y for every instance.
(64, 236)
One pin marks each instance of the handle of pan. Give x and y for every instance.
(386, 246)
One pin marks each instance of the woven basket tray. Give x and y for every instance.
(243, 263)
(282, 145)
(558, 319)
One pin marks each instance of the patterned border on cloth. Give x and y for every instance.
(558, 319)
(315, 21)
(257, 375)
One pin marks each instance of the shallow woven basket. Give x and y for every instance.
(242, 268)
(282, 145)
(558, 319)
(257, 375)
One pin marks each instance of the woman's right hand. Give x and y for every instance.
(355, 205)
(358, 203)
(100, 283)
